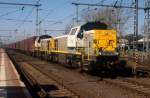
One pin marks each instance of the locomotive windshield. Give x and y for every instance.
(73, 31)
(94, 25)
(43, 37)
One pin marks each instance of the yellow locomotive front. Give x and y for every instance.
(100, 50)
(105, 41)
(100, 45)
(105, 44)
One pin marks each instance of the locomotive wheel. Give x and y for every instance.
(76, 64)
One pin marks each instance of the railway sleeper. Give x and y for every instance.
(44, 91)
(61, 93)
(30, 81)
(142, 73)
(133, 88)
(35, 86)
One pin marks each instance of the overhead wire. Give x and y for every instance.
(94, 9)
(20, 15)
(2, 15)
(70, 15)
(26, 17)
(45, 17)
(9, 7)
(18, 20)
(49, 12)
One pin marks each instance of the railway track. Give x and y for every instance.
(131, 85)
(54, 77)
(42, 85)
(145, 82)
(81, 85)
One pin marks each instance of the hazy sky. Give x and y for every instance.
(55, 14)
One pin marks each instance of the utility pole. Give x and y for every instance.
(77, 12)
(118, 13)
(147, 27)
(135, 37)
(77, 8)
(37, 20)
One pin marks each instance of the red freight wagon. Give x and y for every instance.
(26, 45)
(29, 44)
(13, 45)
(18, 45)
(22, 45)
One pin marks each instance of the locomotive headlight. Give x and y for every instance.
(116, 53)
(100, 53)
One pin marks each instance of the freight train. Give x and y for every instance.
(91, 47)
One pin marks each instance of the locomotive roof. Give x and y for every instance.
(94, 25)
(43, 37)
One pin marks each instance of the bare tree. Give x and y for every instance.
(106, 15)
(68, 27)
(116, 18)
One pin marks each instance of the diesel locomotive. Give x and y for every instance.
(92, 47)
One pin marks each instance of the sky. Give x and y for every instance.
(54, 14)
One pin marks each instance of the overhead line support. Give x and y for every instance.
(9, 30)
(54, 30)
(24, 4)
(5, 36)
(105, 5)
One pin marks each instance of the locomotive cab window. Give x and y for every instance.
(73, 31)
(80, 34)
(110, 43)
